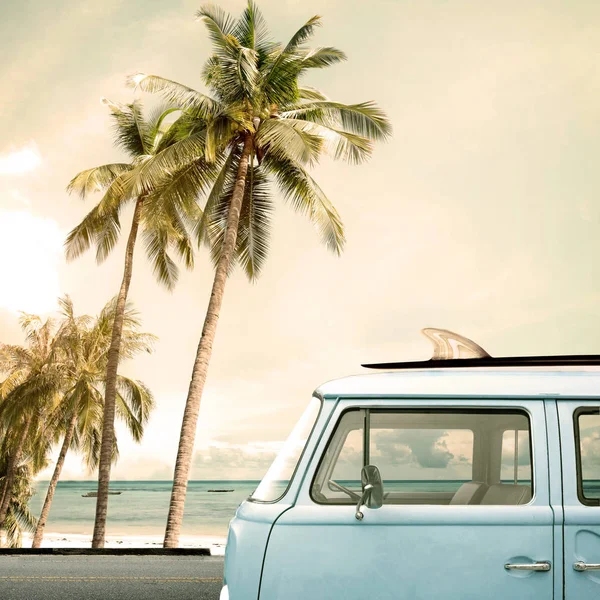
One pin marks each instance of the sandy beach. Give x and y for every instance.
(216, 545)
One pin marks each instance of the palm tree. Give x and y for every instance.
(84, 348)
(30, 387)
(262, 128)
(162, 214)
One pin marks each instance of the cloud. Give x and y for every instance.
(233, 461)
(19, 198)
(20, 161)
(410, 454)
(590, 448)
(142, 468)
(427, 448)
(30, 251)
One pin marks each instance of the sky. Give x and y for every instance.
(480, 215)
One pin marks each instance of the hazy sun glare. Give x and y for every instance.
(30, 249)
(19, 162)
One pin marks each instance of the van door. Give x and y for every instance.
(466, 511)
(580, 442)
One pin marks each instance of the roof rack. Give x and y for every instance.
(452, 350)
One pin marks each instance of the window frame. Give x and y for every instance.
(582, 410)
(530, 454)
(425, 409)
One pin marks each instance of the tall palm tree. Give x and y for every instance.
(162, 214)
(262, 128)
(30, 387)
(84, 348)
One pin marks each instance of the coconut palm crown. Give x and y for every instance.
(163, 214)
(257, 102)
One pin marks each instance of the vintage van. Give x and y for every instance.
(457, 478)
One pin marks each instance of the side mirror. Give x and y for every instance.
(372, 486)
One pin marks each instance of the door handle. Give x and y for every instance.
(581, 566)
(537, 566)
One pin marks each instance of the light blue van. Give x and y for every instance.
(473, 478)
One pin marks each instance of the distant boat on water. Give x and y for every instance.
(95, 494)
(220, 490)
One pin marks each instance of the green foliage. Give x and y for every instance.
(255, 88)
(167, 208)
(84, 344)
(19, 519)
(57, 376)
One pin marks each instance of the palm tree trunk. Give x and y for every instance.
(203, 354)
(108, 426)
(11, 471)
(41, 524)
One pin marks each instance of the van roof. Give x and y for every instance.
(566, 383)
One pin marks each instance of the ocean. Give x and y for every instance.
(141, 509)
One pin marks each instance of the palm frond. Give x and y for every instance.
(220, 24)
(11, 382)
(307, 198)
(136, 342)
(251, 30)
(175, 93)
(254, 229)
(247, 71)
(219, 134)
(291, 138)
(320, 58)
(102, 230)
(155, 125)
(101, 226)
(340, 144)
(365, 119)
(302, 35)
(18, 519)
(155, 172)
(129, 127)
(310, 93)
(91, 447)
(280, 74)
(135, 405)
(65, 303)
(97, 179)
(176, 199)
(163, 266)
(214, 197)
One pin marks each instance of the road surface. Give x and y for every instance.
(110, 577)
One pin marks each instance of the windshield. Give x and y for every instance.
(275, 483)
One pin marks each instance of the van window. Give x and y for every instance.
(587, 434)
(429, 457)
(277, 480)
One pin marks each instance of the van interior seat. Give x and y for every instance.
(471, 492)
(505, 494)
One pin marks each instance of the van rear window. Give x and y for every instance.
(587, 435)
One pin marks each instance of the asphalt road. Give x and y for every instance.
(110, 577)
